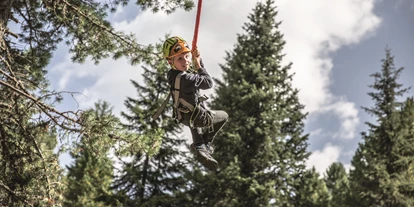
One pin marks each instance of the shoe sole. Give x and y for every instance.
(208, 163)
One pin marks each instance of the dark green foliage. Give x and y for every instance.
(383, 162)
(89, 179)
(337, 182)
(167, 6)
(152, 180)
(313, 191)
(29, 170)
(262, 150)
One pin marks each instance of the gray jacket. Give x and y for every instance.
(191, 83)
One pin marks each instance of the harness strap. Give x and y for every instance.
(175, 92)
(162, 107)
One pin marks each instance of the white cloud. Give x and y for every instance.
(347, 167)
(322, 159)
(348, 114)
(110, 81)
(313, 31)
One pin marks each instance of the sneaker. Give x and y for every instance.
(204, 157)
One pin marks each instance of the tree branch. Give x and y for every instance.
(44, 108)
(93, 21)
(14, 194)
(5, 105)
(11, 33)
(41, 156)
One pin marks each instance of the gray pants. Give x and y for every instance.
(204, 134)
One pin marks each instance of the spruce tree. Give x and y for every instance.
(90, 177)
(262, 149)
(30, 171)
(403, 157)
(153, 180)
(337, 182)
(313, 191)
(384, 158)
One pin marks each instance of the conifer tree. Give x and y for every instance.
(29, 172)
(90, 177)
(153, 180)
(313, 191)
(403, 157)
(262, 149)
(384, 159)
(337, 182)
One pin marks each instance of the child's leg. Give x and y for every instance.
(220, 118)
(197, 135)
(202, 153)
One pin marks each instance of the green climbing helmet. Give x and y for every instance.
(174, 46)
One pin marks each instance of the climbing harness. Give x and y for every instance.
(200, 117)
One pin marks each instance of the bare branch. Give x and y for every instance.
(11, 33)
(43, 107)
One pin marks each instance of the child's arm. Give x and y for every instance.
(200, 79)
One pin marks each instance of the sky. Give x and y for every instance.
(334, 46)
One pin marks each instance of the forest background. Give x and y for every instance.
(327, 53)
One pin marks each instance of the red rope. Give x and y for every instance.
(197, 24)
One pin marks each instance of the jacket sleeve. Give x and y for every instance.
(195, 81)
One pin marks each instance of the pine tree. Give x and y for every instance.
(30, 173)
(384, 157)
(90, 177)
(262, 150)
(153, 180)
(403, 157)
(313, 191)
(337, 182)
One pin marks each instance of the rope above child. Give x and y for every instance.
(197, 24)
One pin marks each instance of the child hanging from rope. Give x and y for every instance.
(189, 108)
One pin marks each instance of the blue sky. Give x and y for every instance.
(334, 47)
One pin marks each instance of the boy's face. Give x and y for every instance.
(181, 62)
